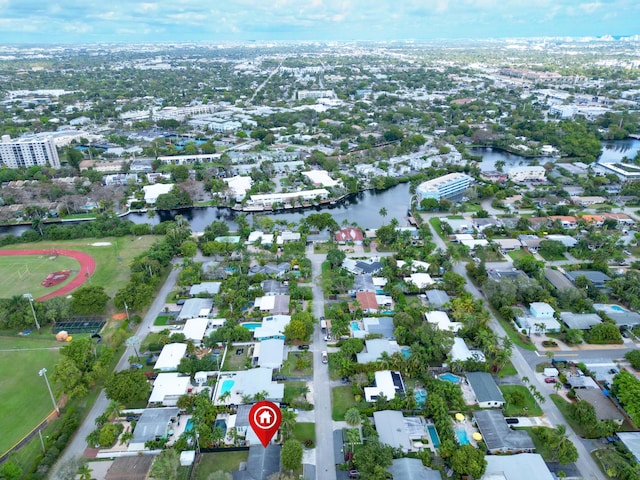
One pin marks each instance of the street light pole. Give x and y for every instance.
(33, 310)
(126, 309)
(43, 373)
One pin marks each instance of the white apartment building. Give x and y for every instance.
(28, 152)
(527, 173)
(443, 187)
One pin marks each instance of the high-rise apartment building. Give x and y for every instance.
(27, 152)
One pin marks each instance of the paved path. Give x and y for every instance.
(78, 444)
(326, 470)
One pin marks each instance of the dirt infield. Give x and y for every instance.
(87, 267)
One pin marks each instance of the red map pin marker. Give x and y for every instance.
(265, 418)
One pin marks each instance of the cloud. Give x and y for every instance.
(179, 20)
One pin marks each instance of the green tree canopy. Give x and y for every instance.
(127, 386)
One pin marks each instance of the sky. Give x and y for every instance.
(90, 21)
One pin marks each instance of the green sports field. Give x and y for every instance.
(23, 274)
(24, 396)
(112, 256)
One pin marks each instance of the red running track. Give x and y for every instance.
(87, 267)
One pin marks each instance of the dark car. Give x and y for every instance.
(181, 301)
(133, 418)
(512, 421)
(303, 347)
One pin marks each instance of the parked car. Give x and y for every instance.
(136, 366)
(354, 474)
(325, 357)
(303, 347)
(550, 380)
(181, 301)
(512, 421)
(132, 418)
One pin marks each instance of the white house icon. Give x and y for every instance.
(265, 418)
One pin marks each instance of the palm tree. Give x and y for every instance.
(353, 437)
(352, 417)
(525, 380)
(114, 409)
(85, 472)
(287, 424)
(383, 212)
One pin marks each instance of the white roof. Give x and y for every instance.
(187, 458)
(195, 328)
(270, 353)
(391, 429)
(527, 168)
(272, 326)
(541, 307)
(442, 322)
(168, 385)
(320, 177)
(460, 351)
(170, 356)
(523, 466)
(384, 386)
(239, 184)
(266, 303)
(481, 242)
(151, 192)
(420, 280)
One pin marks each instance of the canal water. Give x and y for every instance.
(362, 208)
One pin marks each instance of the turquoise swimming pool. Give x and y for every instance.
(226, 386)
(433, 433)
(251, 325)
(420, 395)
(355, 326)
(189, 426)
(463, 438)
(450, 377)
(406, 352)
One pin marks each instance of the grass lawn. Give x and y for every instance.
(305, 431)
(225, 461)
(342, 400)
(516, 337)
(510, 410)
(507, 370)
(551, 258)
(563, 406)
(289, 366)
(162, 320)
(112, 263)
(22, 274)
(23, 393)
(236, 358)
(435, 223)
(517, 254)
(292, 391)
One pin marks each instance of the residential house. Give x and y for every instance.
(566, 221)
(205, 288)
(195, 329)
(437, 298)
(392, 430)
(603, 405)
(485, 389)
(412, 469)
(460, 352)
(497, 435)
(631, 441)
(368, 302)
(270, 269)
(168, 388)
(597, 278)
(261, 464)
(136, 467)
(420, 280)
(527, 173)
(244, 384)
(442, 322)
(596, 220)
(170, 357)
(523, 466)
(153, 424)
(387, 383)
(375, 348)
(195, 308)
(274, 287)
(272, 327)
(580, 321)
(587, 201)
(507, 244)
(273, 304)
(349, 235)
(623, 318)
(269, 353)
(557, 279)
(288, 237)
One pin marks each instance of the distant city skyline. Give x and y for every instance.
(70, 21)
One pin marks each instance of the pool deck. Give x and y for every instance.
(468, 427)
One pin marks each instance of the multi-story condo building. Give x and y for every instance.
(28, 152)
(526, 173)
(443, 187)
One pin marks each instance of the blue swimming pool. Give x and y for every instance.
(406, 352)
(420, 395)
(617, 308)
(463, 438)
(355, 326)
(189, 426)
(226, 386)
(450, 377)
(222, 425)
(251, 325)
(433, 433)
